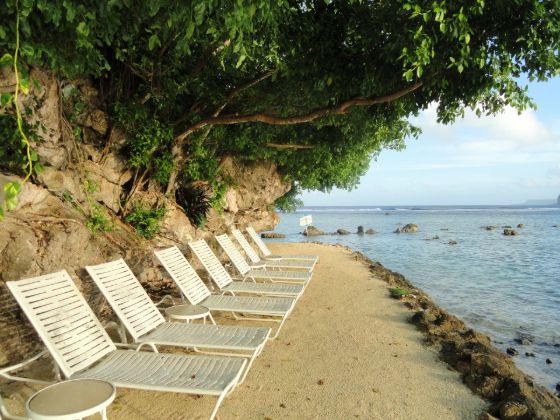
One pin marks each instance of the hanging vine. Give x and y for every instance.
(12, 189)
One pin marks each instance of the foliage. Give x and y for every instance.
(97, 218)
(398, 293)
(289, 202)
(195, 202)
(148, 140)
(194, 73)
(146, 221)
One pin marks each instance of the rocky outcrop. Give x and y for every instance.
(370, 232)
(342, 232)
(510, 232)
(272, 235)
(408, 228)
(312, 231)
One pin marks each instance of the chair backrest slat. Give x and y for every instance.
(63, 320)
(233, 254)
(186, 278)
(258, 241)
(211, 263)
(246, 246)
(126, 296)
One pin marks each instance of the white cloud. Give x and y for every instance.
(528, 183)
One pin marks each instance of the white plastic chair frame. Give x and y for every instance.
(307, 264)
(193, 289)
(82, 349)
(241, 265)
(268, 254)
(142, 319)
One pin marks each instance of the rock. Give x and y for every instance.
(272, 235)
(548, 361)
(360, 230)
(506, 227)
(370, 232)
(512, 410)
(511, 351)
(523, 340)
(510, 232)
(435, 238)
(527, 354)
(520, 226)
(558, 386)
(313, 231)
(342, 232)
(489, 227)
(452, 242)
(97, 120)
(409, 228)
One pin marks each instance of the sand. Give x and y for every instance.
(346, 352)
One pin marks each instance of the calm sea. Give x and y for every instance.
(505, 286)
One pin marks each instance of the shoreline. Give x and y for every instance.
(485, 369)
(348, 350)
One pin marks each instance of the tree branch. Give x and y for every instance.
(299, 119)
(290, 146)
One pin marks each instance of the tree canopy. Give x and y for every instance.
(319, 87)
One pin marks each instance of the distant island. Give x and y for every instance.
(543, 202)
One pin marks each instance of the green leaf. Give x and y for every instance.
(2, 33)
(11, 203)
(6, 60)
(153, 42)
(5, 99)
(467, 38)
(33, 156)
(1, 213)
(24, 86)
(240, 61)
(199, 11)
(190, 29)
(82, 29)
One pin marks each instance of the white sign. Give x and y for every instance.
(305, 220)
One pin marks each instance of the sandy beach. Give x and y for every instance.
(347, 351)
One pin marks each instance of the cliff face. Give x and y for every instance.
(50, 231)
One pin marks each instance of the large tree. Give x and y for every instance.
(320, 87)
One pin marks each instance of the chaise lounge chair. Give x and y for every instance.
(225, 283)
(280, 264)
(268, 255)
(210, 260)
(195, 291)
(142, 319)
(82, 349)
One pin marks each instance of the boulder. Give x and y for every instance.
(272, 235)
(506, 227)
(408, 228)
(520, 226)
(511, 351)
(510, 232)
(370, 231)
(452, 242)
(513, 410)
(342, 232)
(489, 227)
(360, 230)
(313, 231)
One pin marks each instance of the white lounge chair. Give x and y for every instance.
(82, 349)
(195, 292)
(225, 283)
(142, 319)
(307, 264)
(210, 260)
(268, 255)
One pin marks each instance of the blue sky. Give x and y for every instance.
(505, 159)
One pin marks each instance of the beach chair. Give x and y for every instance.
(225, 283)
(193, 289)
(269, 256)
(211, 262)
(145, 324)
(82, 349)
(279, 264)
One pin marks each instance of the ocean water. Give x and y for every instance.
(506, 287)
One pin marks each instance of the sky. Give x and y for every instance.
(505, 159)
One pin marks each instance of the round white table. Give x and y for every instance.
(70, 400)
(189, 313)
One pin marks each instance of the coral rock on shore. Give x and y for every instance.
(272, 235)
